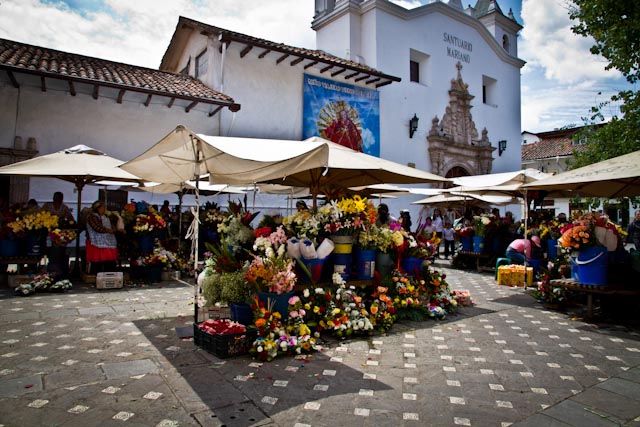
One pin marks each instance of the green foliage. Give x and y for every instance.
(615, 27)
(270, 221)
(235, 288)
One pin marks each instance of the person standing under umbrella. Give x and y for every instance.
(57, 207)
(102, 247)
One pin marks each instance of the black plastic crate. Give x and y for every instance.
(227, 345)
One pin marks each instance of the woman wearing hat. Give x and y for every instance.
(520, 249)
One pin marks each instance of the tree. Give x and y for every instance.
(615, 27)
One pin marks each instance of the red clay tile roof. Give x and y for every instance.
(310, 54)
(23, 58)
(551, 144)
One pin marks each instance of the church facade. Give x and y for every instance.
(436, 87)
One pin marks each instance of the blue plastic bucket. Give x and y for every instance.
(342, 265)
(242, 313)
(478, 244)
(590, 266)
(315, 269)
(9, 248)
(279, 302)
(535, 263)
(552, 248)
(145, 243)
(366, 262)
(411, 265)
(467, 243)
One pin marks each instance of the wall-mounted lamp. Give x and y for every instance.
(502, 146)
(413, 125)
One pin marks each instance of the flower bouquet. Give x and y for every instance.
(148, 223)
(272, 274)
(579, 235)
(159, 258)
(62, 237)
(346, 216)
(483, 224)
(34, 223)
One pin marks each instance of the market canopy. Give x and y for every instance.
(79, 164)
(616, 177)
(466, 198)
(316, 163)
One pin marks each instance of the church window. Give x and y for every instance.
(414, 71)
(505, 42)
(489, 91)
(418, 67)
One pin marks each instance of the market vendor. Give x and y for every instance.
(633, 231)
(57, 207)
(102, 247)
(520, 249)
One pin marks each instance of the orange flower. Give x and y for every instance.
(260, 323)
(374, 309)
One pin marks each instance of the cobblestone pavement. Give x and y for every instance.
(112, 358)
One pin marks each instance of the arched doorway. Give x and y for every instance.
(455, 172)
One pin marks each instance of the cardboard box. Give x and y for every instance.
(513, 275)
(88, 278)
(15, 280)
(110, 280)
(170, 275)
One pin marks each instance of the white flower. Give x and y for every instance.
(305, 293)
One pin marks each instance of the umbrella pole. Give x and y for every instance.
(526, 225)
(76, 265)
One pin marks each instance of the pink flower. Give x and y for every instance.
(293, 314)
(294, 300)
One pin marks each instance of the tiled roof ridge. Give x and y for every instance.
(295, 49)
(57, 63)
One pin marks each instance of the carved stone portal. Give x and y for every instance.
(453, 141)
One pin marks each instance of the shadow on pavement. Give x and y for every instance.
(239, 391)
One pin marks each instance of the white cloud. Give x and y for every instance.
(138, 32)
(547, 42)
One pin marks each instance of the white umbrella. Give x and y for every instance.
(80, 165)
(314, 163)
(616, 177)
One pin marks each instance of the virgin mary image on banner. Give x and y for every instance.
(340, 123)
(345, 114)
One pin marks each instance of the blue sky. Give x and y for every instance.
(556, 91)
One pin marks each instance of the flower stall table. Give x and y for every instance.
(20, 261)
(613, 289)
(484, 260)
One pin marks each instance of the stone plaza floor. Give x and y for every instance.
(113, 358)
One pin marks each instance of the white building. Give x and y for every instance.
(435, 63)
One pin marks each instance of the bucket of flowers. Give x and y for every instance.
(272, 271)
(34, 226)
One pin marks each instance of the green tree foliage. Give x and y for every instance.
(615, 27)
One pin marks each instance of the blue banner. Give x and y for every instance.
(345, 114)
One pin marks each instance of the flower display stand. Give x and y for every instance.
(280, 302)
